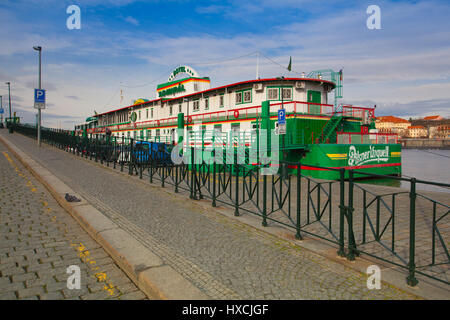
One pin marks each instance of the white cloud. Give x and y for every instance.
(132, 20)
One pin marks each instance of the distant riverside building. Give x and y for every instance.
(392, 124)
(417, 132)
(442, 132)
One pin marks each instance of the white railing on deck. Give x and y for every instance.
(366, 138)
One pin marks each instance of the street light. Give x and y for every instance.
(1, 108)
(10, 116)
(187, 119)
(38, 48)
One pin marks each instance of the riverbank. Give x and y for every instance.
(443, 144)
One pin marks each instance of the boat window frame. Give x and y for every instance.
(242, 92)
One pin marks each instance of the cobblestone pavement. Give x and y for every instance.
(224, 258)
(39, 240)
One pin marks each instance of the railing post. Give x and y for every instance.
(102, 150)
(176, 178)
(411, 279)
(236, 171)
(95, 148)
(341, 251)
(264, 211)
(131, 157)
(193, 176)
(214, 185)
(90, 148)
(351, 238)
(299, 188)
(114, 153)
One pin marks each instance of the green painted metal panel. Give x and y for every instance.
(373, 158)
(314, 97)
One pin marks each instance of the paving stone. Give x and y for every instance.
(24, 277)
(8, 296)
(35, 244)
(135, 295)
(52, 296)
(30, 292)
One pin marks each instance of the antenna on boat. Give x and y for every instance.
(257, 64)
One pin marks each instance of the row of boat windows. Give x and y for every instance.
(158, 132)
(241, 97)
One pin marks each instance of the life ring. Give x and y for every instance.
(236, 114)
(189, 119)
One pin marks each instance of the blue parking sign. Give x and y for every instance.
(2, 111)
(39, 95)
(281, 116)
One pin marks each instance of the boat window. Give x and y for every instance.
(179, 108)
(287, 93)
(206, 103)
(272, 93)
(248, 96)
(238, 97)
(170, 110)
(221, 101)
(196, 106)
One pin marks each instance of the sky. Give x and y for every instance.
(128, 45)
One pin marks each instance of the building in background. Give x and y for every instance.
(440, 132)
(417, 132)
(391, 124)
(434, 118)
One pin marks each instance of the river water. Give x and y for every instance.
(431, 165)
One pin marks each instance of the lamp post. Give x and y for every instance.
(284, 172)
(1, 107)
(38, 48)
(10, 116)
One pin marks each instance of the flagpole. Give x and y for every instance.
(257, 65)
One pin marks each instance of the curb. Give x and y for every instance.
(156, 279)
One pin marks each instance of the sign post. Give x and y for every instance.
(282, 121)
(39, 97)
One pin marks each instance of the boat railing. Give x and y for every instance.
(366, 138)
(292, 107)
(365, 114)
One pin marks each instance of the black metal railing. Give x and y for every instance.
(407, 228)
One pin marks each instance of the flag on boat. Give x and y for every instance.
(290, 64)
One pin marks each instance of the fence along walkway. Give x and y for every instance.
(407, 228)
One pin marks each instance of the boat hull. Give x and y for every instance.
(384, 159)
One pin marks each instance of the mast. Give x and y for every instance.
(257, 65)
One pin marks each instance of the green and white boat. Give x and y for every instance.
(314, 131)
